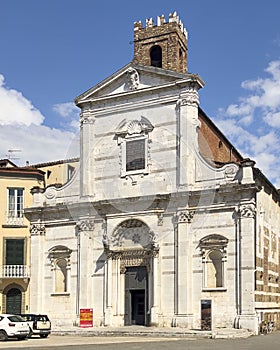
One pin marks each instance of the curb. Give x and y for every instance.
(215, 334)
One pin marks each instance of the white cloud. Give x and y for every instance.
(22, 129)
(67, 109)
(236, 109)
(273, 119)
(15, 108)
(253, 124)
(37, 143)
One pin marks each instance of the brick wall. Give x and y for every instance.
(213, 145)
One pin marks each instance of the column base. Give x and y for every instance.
(108, 317)
(154, 316)
(183, 321)
(249, 322)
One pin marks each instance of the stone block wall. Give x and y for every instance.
(268, 261)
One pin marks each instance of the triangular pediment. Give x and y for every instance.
(132, 78)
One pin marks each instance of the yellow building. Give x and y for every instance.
(15, 185)
(58, 172)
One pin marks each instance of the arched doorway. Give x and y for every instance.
(132, 251)
(13, 301)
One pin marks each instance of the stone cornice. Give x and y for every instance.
(177, 85)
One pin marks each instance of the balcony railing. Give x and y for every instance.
(15, 221)
(15, 271)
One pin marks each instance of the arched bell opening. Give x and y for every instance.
(156, 56)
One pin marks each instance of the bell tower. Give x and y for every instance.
(163, 45)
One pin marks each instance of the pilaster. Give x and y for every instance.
(184, 283)
(187, 108)
(87, 144)
(155, 290)
(108, 292)
(247, 317)
(85, 242)
(37, 232)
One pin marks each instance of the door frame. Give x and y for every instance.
(128, 291)
(206, 314)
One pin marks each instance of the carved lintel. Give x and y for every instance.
(137, 257)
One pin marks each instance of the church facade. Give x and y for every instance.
(163, 223)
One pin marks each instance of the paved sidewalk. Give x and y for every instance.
(141, 331)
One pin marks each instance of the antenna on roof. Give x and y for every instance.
(11, 152)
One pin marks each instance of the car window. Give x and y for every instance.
(16, 318)
(28, 317)
(1, 318)
(42, 318)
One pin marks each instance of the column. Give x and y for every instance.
(247, 317)
(184, 313)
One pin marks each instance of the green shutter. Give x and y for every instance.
(14, 251)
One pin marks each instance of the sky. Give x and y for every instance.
(51, 51)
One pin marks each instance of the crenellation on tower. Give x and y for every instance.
(162, 45)
(173, 17)
(160, 20)
(149, 22)
(138, 25)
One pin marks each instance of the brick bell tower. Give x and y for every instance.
(163, 45)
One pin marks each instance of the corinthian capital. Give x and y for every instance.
(185, 216)
(85, 225)
(247, 210)
(37, 230)
(87, 117)
(189, 98)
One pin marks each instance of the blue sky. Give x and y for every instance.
(54, 50)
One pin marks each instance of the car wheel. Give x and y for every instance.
(43, 335)
(3, 336)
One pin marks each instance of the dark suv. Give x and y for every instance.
(38, 324)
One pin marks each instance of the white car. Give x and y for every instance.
(13, 326)
(38, 324)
